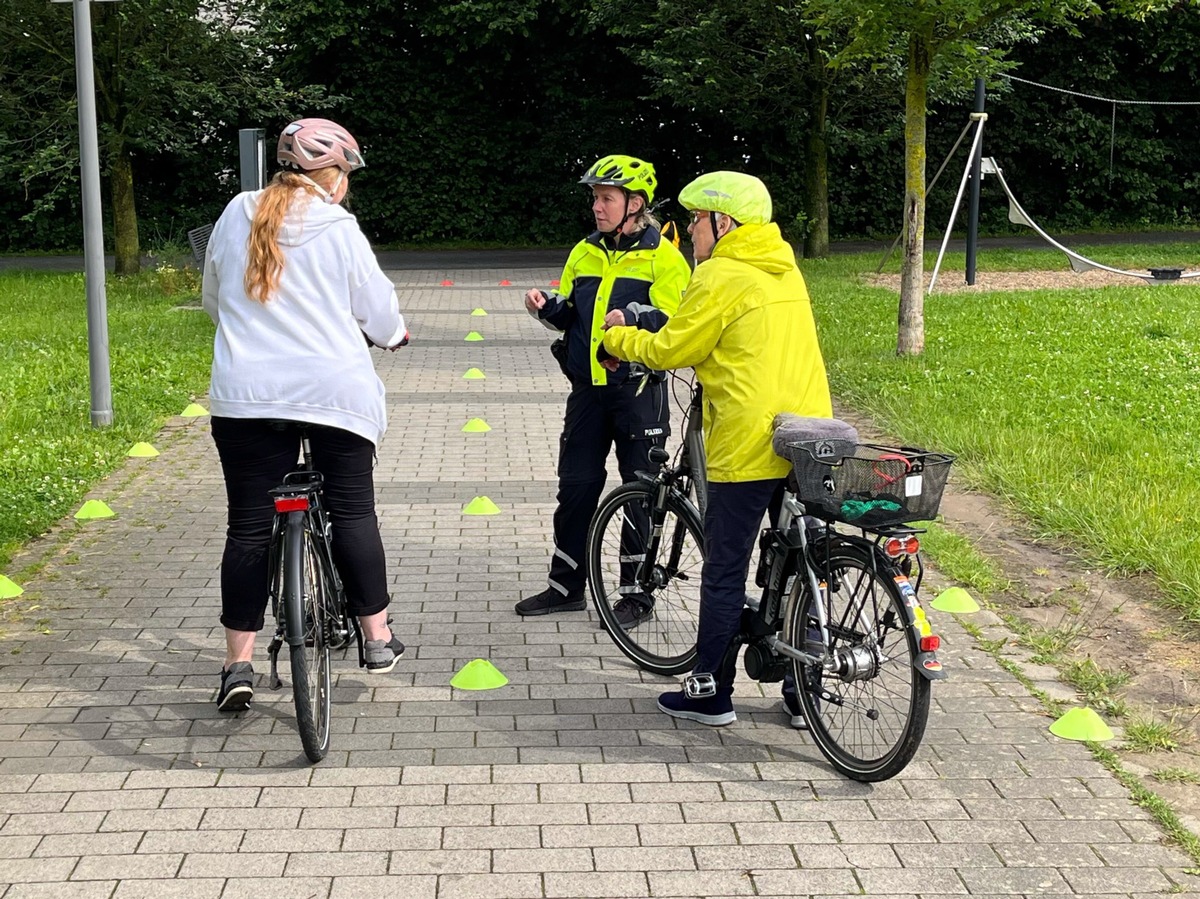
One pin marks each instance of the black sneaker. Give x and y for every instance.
(550, 600)
(632, 610)
(237, 687)
(382, 656)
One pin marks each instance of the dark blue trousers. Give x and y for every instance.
(732, 523)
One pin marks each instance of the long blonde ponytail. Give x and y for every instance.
(264, 264)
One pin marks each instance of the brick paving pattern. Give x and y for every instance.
(119, 779)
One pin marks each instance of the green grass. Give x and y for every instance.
(1149, 735)
(1177, 776)
(1098, 686)
(957, 557)
(49, 453)
(1076, 406)
(1134, 257)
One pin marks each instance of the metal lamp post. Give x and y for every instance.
(93, 228)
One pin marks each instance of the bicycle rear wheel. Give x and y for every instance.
(639, 553)
(869, 719)
(306, 593)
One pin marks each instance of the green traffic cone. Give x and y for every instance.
(956, 600)
(9, 589)
(1083, 725)
(476, 426)
(193, 411)
(481, 505)
(479, 674)
(142, 450)
(474, 374)
(474, 335)
(94, 508)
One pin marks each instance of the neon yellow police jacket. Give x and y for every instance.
(746, 326)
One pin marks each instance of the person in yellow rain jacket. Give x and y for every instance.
(746, 326)
(623, 271)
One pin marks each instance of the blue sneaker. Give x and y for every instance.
(715, 711)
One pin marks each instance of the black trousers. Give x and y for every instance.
(732, 522)
(595, 419)
(255, 456)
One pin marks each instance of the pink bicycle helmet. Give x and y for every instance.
(309, 144)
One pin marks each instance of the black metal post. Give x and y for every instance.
(976, 179)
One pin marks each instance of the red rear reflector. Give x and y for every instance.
(291, 504)
(930, 643)
(895, 547)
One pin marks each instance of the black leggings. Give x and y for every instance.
(255, 456)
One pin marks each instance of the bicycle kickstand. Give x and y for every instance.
(273, 653)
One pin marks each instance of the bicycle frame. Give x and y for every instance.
(664, 482)
(784, 549)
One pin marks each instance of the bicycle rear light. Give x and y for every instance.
(291, 504)
(931, 643)
(895, 547)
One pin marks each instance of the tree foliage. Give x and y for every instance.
(174, 78)
(478, 117)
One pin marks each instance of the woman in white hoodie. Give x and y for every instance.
(293, 285)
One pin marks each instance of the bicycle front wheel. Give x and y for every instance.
(638, 553)
(869, 717)
(306, 593)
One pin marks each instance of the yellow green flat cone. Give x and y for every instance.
(1081, 724)
(479, 674)
(9, 589)
(478, 311)
(956, 600)
(142, 450)
(476, 426)
(481, 505)
(474, 335)
(94, 508)
(474, 374)
(193, 411)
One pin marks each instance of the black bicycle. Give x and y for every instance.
(838, 611)
(645, 544)
(308, 601)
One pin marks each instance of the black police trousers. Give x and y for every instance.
(595, 419)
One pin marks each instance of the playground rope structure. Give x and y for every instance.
(1113, 101)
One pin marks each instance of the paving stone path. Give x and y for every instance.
(119, 779)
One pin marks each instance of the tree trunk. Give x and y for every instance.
(911, 337)
(125, 223)
(816, 176)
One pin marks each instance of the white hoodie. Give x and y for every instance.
(301, 355)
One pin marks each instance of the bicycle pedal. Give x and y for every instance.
(700, 686)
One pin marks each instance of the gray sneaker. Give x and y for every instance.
(237, 688)
(381, 657)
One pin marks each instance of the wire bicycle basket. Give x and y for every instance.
(868, 485)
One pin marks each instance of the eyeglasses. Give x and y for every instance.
(699, 215)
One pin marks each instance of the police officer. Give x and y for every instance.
(623, 272)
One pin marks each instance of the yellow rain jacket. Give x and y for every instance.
(745, 324)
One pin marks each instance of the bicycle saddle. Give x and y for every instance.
(839, 438)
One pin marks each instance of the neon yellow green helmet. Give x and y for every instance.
(633, 174)
(741, 197)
